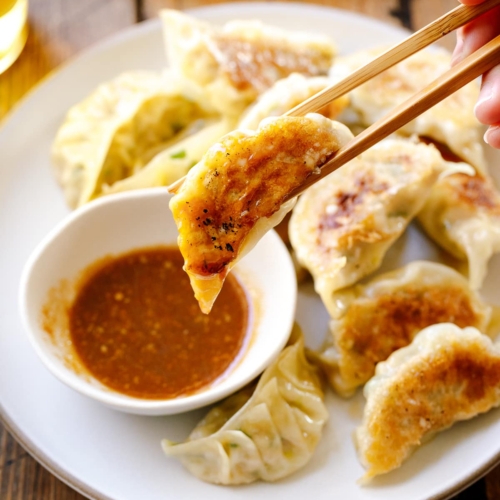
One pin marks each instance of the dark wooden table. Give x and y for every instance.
(62, 28)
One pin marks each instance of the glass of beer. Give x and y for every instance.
(13, 30)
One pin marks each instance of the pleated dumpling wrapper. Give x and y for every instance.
(462, 215)
(451, 121)
(236, 193)
(115, 131)
(444, 376)
(287, 93)
(343, 225)
(265, 432)
(243, 58)
(377, 318)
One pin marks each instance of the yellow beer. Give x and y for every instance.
(13, 30)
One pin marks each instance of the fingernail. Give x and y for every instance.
(457, 53)
(490, 134)
(484, 96)
(485, 137)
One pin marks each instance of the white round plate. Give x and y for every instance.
(109, 455)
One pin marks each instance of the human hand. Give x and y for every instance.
(469, 38)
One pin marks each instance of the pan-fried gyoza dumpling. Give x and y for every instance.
(175, 161)
(286, 94)
(265, 432)
(236, 193)
(379, 317)
(343, 225)
(116, 130)
(451, 121)
(445, 375)
(242, 59)
(462, 214)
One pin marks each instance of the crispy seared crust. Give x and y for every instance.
(475, 193)
(243, 58)
(444, 376)
(385, 314)
(247, 62)
(350, 205)
(243, 180)
(372, 332)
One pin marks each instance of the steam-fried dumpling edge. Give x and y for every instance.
(445, 375)
(232, 197)
(175, 162)
(111, 134)
(375, 319)
(462, 214)
(287, 93)
(242, 59)
(265, 435)
(343, 225)
(451, 121)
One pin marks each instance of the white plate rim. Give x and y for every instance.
(116, 39)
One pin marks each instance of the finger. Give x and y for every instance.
(471, 2)
(492, 136)
(459, 46)
(487, 109)
(476, 33)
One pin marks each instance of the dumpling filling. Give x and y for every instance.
(115, 131)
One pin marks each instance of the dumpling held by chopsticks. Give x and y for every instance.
(237, 192)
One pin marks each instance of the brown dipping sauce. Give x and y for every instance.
(138, 329)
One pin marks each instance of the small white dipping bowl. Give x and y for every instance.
(124, 222)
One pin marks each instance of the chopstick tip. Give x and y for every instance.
(175, 186)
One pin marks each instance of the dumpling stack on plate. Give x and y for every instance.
(343, 225)
(385, 313)
(146, 129)
(417, 336)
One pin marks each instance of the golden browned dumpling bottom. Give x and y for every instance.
(248, 63)
(445, 376)
(373, 331)
(475, 192)
(243, 181)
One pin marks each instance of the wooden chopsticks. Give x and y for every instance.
(428, 34)
(463, 73)
(470, 68)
